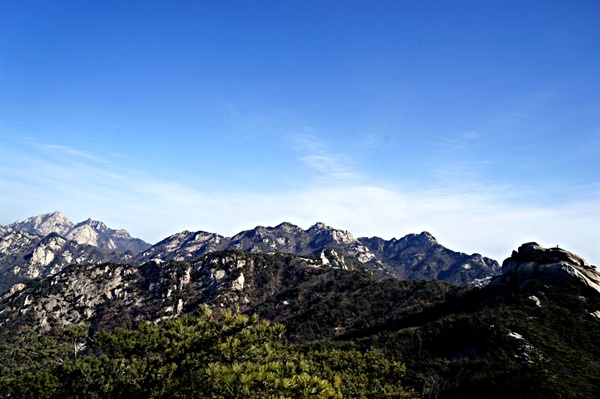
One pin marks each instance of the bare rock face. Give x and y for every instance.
(27, 256)
(84, 235)
(96, 233)
(533, 252)
(89, 232)
(531, 262)
(327, 234)
(185, 245)
(111, 295)
(43, 225)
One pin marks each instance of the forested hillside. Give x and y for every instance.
(237, 325)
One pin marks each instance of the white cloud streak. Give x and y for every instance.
(328, 164)
(66, 150)
(488, 220)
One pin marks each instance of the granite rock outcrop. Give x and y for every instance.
(533, 262)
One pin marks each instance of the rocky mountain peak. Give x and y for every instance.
(84, 234)
(183, 245)
(424, 239)
(95, 224)
(326, 234)
(44, 224)
(319, 226)
(89, 232)
(533, 262)
(288, 228)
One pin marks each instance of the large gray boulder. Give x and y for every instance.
(533, 262)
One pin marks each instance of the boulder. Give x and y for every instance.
(533, 252)
(533, 262)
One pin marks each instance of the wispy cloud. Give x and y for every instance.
(66, 150)
(459, 141)
(375, 141)
(491, 220)
(61, 150)
(329, 164)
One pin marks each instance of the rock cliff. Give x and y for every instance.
(533, 262)
(27, 256)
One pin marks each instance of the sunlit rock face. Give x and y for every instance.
(185, 245)
(533, 262)
(42, 225)
(110, 294)
(84, 235)
(90, 232)
(27, 256)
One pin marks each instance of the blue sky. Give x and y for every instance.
(476, 121)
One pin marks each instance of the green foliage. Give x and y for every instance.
(486, 343)
(29, 361)
(234, 356)
(348, 334)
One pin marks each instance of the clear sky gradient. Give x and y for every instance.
(476, 121)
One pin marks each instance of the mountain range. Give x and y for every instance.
(200, 327)
(287, 312)
(42, 245)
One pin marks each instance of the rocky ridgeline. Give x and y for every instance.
(89, 232)
(531, 262)
(285, 237)
(42, 245)
(415, 256)
(422, 257)
(109, 294)
(185, 245)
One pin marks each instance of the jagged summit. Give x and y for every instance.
(319, 226)
(90, 232)
(424, 238)
(329, 234)
(54, 222)
(286, 226)
(533, 262)
(414, 256)
(184, 245)
(418, 256)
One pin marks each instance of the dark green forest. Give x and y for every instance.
(321, 333)
(234, 356)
